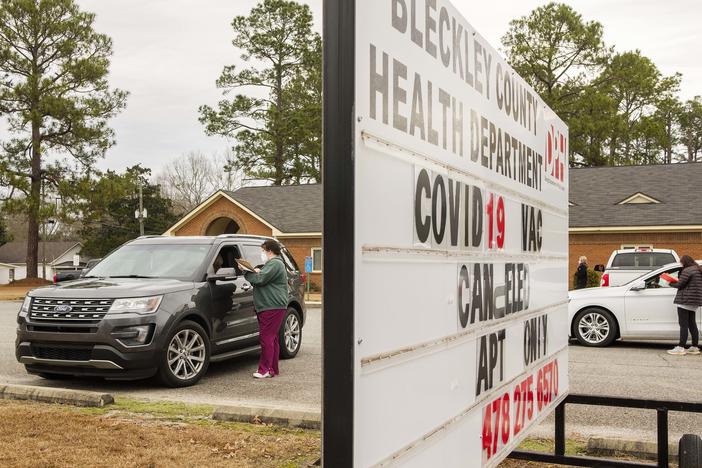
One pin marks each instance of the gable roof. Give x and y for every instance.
(638, 197)
(290, 208)
(597, 191)
(16, 252)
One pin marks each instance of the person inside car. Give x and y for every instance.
(688, 299)
(218, 263)
(270, 284)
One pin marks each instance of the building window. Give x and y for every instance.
(317, 260)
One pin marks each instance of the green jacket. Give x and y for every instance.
(270, 286)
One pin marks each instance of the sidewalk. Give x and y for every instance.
(313, 299)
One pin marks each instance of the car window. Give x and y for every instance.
(623, 260)
(660, 259)
(656, 282)
(290, 261)
(643, 260)
(178, 261)
(225, 258)
(252, 254)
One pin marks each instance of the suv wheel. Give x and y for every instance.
(186, 357)
(290, 334)
(595, 327)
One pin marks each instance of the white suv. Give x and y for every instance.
(628, 264)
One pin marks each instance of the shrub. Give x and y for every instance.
(593, 279)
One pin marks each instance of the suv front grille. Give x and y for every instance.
(84, 311)
(64, 354)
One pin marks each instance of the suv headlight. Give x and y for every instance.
(24, 310)
(136, 305)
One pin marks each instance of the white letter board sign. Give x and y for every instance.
(453, 187)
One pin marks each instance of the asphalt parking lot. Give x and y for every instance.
(640, 370)
(229, 382)
(635, 370)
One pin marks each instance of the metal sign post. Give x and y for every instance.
(308, 270)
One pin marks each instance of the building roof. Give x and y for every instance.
(290, 208)
(596, 194)
(16, 252)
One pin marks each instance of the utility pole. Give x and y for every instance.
(141, 210)
(141, 213)
(43, 241)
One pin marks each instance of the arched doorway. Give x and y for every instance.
(222, 225)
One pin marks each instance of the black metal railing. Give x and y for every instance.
(661, 407)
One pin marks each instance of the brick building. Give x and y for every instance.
(635, 206)
(610, 208)
(291, 214)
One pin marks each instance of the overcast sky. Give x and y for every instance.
(168, 54)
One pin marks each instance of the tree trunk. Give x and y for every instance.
(34, 206)
(612, 151)
(279, 163)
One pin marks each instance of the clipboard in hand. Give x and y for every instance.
(668, 278)
(245, 266)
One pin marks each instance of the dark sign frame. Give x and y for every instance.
(338, 372)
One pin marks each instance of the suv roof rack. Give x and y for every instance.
(226, 236)
(150, 236)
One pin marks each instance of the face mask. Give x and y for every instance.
(264, 257)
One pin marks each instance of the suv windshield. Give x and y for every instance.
(152, 261)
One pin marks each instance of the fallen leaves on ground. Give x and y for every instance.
(41, 435)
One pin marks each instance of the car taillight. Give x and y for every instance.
(55, 277)
(304, 277)
(605, 280)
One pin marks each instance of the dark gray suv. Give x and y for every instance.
(165, 306)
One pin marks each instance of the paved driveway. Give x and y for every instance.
(642, 370)
(298, 386)
(636, 370)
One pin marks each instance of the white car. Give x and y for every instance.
(642, 309)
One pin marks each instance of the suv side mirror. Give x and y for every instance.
(223, 274)
(638, 286)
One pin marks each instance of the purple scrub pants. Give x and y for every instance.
(269, 322)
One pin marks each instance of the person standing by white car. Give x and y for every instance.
(688, 299)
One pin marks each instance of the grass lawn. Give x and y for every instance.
(573, 447)
(162, 434)
(14, 293)
(137, 434)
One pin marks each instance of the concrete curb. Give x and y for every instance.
(635, 448)
(279, 416)
(55, 395)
